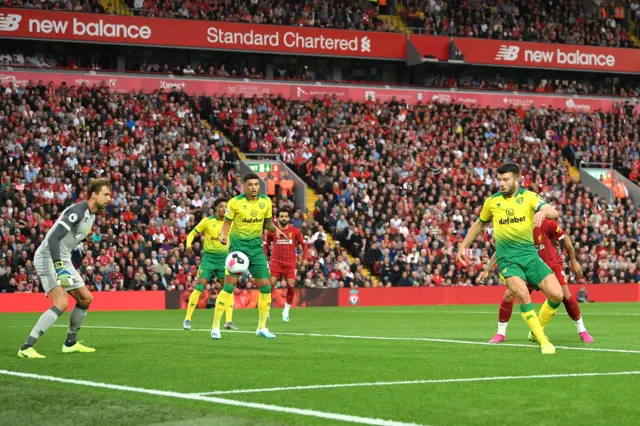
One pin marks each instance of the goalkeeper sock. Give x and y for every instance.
(193, 301)
(264, 305)
(222, 302)
(45, 321)
(529, 316)
(229, 312)
(547, 312)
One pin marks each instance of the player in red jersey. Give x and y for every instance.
(284, 260)
(544, 237)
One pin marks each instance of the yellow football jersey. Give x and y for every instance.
(512, 222)
(248, 216)
(211, 227)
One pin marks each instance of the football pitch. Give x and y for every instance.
(374, 366)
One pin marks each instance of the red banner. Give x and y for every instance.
(436, 47)
(408, 296)
(107, 301)
(182, 33)
(548, 55)
(127, 83)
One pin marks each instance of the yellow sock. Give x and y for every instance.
(529, 316)
(222, 301)
(547, 312)
(229, 311)
(264, 305)
(193, 302)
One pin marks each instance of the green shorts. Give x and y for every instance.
(212, 264)
(257, 260)
(530, 268)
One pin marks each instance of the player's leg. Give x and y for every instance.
(514, 278)
(504, 315)
(228, 325)
(260, 271)
(291, 292)
(553, 291)
(194, 298)
(224, 299)
(58, 295)
(572, 307)
(83, 298)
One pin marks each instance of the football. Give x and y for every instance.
(237, 263)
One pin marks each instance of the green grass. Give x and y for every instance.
(190, 362)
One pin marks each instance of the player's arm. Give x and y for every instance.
(301, 243)
(267, 243)
(568, 248)
(229, 215)
(70, 218)
(199, 229)
(474, 232)
(543, 210)
(485, 274)
(271, 227)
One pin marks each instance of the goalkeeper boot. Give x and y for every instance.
(186, 325)
(230, 326)
(215, 334)
(78, 347)
(264, 332)
(30, 352)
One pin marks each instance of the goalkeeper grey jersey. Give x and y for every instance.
(70, 229)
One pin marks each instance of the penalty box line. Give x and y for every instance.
(223, 401)
(419, 382)
(382, 338)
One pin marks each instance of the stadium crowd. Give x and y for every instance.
(559, 21)
(562, 21)
(167, 166)
(400, 184)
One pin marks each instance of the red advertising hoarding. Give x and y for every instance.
(408, 296)
(127, 83)
(102, 301)
(548, 55)
(183, 33)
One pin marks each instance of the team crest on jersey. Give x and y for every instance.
(262, 205)
(519, 200)
(354, 297)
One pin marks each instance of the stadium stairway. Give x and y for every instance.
(574, 173)
(312, 197)
(394, 20)
(632, 34)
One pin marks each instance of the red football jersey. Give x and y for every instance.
(284, 251)
(545, 237)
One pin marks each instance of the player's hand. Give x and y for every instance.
(577, 267)
(223, 240)
(189, 250)
(538, 218)
(281, 233)
(462, 256)
(62, 274)
(483, 277)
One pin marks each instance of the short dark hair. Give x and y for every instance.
(509, 168)
(249, 177)
(96, 185)
(219, 200)
(284, 210)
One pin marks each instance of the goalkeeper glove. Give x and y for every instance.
(64, 277)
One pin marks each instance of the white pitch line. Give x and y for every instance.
(169, 394)
(345, 336)
(418, 382)
(370, 311)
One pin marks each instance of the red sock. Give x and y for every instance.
(572, 307)
(291, 291)
(506, 308)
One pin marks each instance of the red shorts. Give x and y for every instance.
(558, 271)
(277, 269)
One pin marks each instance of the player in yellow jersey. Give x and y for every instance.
(246, 217)
(514, 212)
(212, 261)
